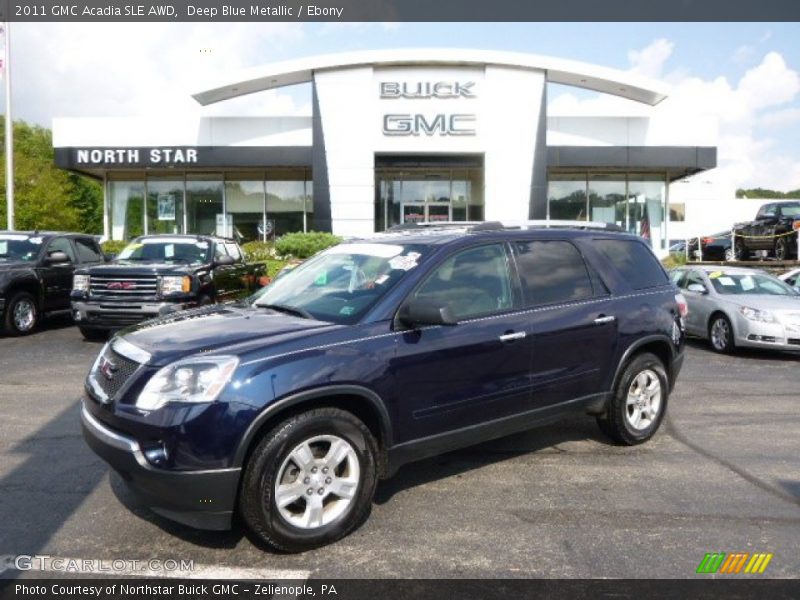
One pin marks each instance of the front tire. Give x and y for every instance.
(720, 334)
(639, 403)
(94, 335)
(310, 481)
(22, 314)
(740, 253)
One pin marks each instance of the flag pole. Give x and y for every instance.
(9, 130)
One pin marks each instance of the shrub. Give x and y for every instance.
(675, 259)
(258, 251)
(113, 246)
(303, 245)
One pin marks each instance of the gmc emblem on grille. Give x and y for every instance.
(107, 368)
(121, 285)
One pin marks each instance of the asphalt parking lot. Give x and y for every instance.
(722, 475)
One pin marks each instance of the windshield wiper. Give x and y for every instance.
(292, 310)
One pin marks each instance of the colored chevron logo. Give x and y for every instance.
(734, 563)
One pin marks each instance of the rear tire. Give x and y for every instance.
(22, 314)
(782, 248)
(720, 334)
(327, 452)
(639, 403)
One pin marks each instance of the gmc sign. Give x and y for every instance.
(417, 124)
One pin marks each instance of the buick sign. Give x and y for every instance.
(427, 89)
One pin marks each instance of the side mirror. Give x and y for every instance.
(224, 261)
(417, 313)
(697, 287)
(57, 257)
(109, 256)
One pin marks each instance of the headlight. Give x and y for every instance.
(753, 314)
(172, 284)
(193, 380)
(80, 283)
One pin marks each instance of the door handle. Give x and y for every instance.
(510, 337)
(605, 319)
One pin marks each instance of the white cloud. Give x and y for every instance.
(650, 60)
(115, 69)
(747, 156)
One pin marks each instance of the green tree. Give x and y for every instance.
(46, 197)
(768, 194)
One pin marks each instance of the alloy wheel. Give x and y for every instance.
(24, 315)
(317, 482)
(720, 334)
(643, 404)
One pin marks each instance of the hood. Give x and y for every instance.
(766, 302)
(15, 264)
(216, 328)
(140, 268)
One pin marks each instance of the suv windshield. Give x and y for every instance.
(166, 250)
(15, 246)
(340, 284)
(740, 284)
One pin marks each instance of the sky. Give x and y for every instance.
(746, 75)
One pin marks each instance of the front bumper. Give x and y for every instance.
(107, 315)
(201, 499)
(777, 336)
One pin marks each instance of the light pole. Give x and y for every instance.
(9, 129)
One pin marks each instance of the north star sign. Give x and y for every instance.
(136, 156)
(414, 124)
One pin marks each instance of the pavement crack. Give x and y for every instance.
(677, 435)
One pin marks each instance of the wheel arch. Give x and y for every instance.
(362, 402)
(26, 284)
(659, 345)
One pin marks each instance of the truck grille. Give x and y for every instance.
(112, 378)
(132, 288)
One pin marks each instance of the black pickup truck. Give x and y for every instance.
(774, 230)
(158, 274)
(36, 274)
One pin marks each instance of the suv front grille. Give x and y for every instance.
(111, 378)
(115, 287)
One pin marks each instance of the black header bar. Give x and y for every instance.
(399, 10)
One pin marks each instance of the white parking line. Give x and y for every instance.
(141, 568)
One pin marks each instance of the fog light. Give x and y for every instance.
(156, 455)
(77, 315)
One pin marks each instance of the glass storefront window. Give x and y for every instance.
(647, 208)
(205, 212)
(420, 195)
(566, 197)
(126, 209)
(245, 208)
(607, 201)
(286, 206)
(164, 205)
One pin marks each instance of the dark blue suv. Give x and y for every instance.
(288, 408)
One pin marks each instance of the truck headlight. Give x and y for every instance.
(195, 380)
(172, 284)
(753, 314)
(80, 283)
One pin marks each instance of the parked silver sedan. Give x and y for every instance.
(739, 307)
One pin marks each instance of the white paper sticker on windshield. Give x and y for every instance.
(726, 281)
(747, 283)
(405, 263)
(36, 240)
(169, 250)
(377, 250)
(202, 245)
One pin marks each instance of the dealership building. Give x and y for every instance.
(400, 136)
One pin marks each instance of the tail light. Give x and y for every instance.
(708, 240)
(683, 307)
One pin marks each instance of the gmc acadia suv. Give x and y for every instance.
(289, 407)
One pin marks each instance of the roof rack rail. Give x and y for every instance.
(548, 223)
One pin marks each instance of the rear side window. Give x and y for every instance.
(551, 272)
(233, 250)
(87, 251)
(635, 262)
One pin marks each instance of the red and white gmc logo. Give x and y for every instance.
(121, 285)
